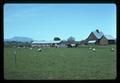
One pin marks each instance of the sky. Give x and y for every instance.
(46, 21)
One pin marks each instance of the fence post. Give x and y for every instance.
(15, 59)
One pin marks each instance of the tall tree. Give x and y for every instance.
(71, 39)
(57, 39)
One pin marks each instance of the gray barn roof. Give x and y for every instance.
(98, 34)
(109, 37)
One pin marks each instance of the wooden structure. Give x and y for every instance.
(103, 41)
(99, 38)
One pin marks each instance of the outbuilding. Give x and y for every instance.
(44, 43)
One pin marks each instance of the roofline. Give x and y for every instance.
(106, 38)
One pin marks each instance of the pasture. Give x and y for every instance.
(60, 63)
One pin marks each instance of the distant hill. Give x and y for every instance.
(19, 39)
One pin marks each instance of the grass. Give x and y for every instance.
(60, 63)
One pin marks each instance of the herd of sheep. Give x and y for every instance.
(93, 49)
(40, 49)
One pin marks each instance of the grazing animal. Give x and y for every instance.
(15, 52)
(39, 49)
(30, 48)
(112, 49)
(90, 48)
(94, 49)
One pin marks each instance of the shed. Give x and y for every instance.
(44, 43)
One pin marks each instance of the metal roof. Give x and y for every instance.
(43, 42)
(98, 34)
(92, 41)
(109, 37)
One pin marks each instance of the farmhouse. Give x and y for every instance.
(99, 38)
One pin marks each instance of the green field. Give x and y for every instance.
(60, 63)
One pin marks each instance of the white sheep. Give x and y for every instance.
(112, 49)
(39, 49)
(93, 49)
(15, 52)
(90, 48)
(30, 48)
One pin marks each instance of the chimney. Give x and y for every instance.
(97, 30)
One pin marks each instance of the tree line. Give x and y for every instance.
(17, 44)
(28, 44)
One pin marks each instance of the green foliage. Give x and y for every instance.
(57, 39)
(71, 39)
(16, 44)
(61, 63)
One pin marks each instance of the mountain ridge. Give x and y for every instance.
(19, 39)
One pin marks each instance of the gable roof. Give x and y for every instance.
(109, 37)
(98, 34)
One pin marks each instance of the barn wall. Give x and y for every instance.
(91, 37)
(103, 41)
(111, 41)
(97, 41)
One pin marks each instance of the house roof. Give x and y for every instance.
(109, 37)
(98, 34)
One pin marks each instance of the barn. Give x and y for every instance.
(94, 37)
(108, 40)
(103, 41)
(97, 37)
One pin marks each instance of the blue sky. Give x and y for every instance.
(46, 21)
